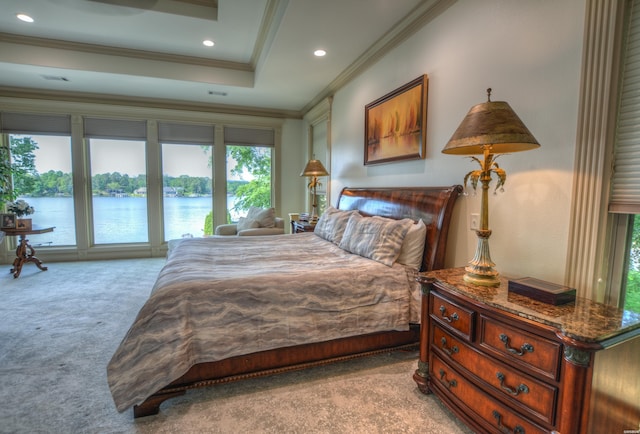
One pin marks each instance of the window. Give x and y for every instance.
(248, 179)
(249, 166)
(631, 284)
(624, 200)
(118, 191)
(187, 179)
(49, 189)
(187, 186)
(319, 136)
(117, 151)
(111, 185)
(40, 153)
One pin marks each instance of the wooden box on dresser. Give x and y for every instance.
(504, 363)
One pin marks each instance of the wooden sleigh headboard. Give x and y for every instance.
(434, 205)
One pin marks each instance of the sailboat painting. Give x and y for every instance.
(395, 124)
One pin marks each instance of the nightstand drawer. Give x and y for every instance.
(493, 413)
(531, 351)
(452, 316)
(530, 395)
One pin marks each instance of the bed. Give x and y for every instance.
(226, 309)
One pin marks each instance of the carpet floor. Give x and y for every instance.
(59, 328)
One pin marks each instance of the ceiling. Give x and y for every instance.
(151, 50)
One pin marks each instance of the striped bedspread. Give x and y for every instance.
(222, 297)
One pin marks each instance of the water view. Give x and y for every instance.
(119, 219)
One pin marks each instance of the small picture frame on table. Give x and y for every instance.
(7, 221)
(23, 224)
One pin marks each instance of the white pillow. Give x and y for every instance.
(332, 223)
(413, 246)
(266, 217)
(375, 237)
(246, 223)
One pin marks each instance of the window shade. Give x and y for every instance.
(625, 187)
(248, 136)
(185, 133)
(115, 129)
(21, 123)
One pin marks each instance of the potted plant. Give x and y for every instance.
(21, 209)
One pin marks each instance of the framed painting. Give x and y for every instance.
(7, 221)
(395, 124)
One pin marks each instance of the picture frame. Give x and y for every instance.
(395, 124)
(24, 224)
(7, 221)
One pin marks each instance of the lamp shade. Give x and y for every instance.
(314, 168)
(491, 123)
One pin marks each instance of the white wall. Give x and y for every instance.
(294, 154)
(529, 52)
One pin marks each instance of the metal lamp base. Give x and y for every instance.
(481, 279)
(480, 270)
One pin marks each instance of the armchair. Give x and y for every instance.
(232, 229)
(258, 221)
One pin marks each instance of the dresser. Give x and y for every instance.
(505, 363)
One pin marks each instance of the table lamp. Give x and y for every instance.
(314, 169)
(489, 129)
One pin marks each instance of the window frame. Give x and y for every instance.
(157, 246)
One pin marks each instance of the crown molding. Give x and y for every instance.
(121, 52)
(203, 9)
(415, 20)
(150, 103)
(273, 13)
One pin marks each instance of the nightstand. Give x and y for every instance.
(503, 362)
(299, 227)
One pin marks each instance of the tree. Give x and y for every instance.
(257, 161)
(23, 165)
(257, 192)
(6, 192)
(18, 173)
(632, 288)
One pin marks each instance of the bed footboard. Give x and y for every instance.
(278, 361)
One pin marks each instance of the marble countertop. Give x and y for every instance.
(583, 320)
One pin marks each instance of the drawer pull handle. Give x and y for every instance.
(525, 348)
(452, 351)
(447, 384)
(505, 429)
(522, 388)
(452, 318)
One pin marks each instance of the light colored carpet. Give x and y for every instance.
(59, 328)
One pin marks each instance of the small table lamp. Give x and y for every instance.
(489, 129)
(314, 169)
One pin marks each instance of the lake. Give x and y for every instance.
(119, 219)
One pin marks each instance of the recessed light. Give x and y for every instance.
(24, 17)
(208, 43)
(319, 53)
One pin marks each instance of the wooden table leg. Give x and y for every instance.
(25, 253)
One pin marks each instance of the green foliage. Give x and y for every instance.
(632, 290)
(17, 168)
(23, 164)
(632, 295)
(257, 161)
(186, 185)
(6, 193)
(233, 185)
(208, 224)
